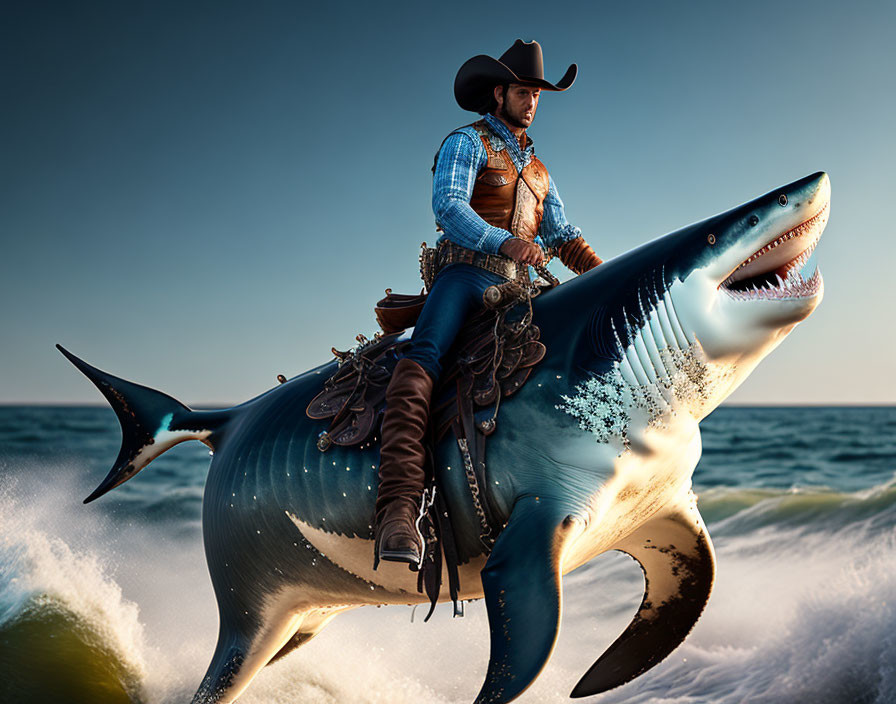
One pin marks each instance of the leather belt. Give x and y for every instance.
(447, 252)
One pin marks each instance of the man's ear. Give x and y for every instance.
(498, 92)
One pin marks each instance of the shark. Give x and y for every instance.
(595, 453)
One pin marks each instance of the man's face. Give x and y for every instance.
(518, 106)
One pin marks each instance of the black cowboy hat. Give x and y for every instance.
(521, 63)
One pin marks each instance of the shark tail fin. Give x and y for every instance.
(151, 423)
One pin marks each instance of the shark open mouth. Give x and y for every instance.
(776, 270)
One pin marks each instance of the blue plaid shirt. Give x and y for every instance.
(460, 159)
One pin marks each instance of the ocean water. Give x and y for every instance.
(111, 602)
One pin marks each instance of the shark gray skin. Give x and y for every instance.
(594, 453)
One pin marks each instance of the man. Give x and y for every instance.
(495, 205)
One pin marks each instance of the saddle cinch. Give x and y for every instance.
(491, 359)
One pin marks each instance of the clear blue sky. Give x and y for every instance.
(197, 196)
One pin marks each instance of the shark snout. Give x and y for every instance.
(822, 187)
(811, 194)
(781, 231)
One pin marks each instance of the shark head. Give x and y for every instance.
(686, 317)
(740, 281)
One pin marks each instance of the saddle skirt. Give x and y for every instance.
(491, 359)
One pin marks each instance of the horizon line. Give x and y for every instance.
(219, 405)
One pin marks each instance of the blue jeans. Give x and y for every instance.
(456, 293)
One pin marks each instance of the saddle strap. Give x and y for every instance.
(474, 471)
(440, 548)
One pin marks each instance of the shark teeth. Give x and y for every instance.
(784, 281)
(793, 276)
(794, 286)
(814, 226)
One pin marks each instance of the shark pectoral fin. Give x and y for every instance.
(521, 582)
(679, 567)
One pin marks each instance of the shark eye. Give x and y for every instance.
(711, 238)
(754, 220)
(782, 199)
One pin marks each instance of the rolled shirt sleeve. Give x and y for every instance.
(555, 230)
(459, 161)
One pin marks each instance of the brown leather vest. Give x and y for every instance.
(507, 199)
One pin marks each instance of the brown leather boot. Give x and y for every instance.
(402, 457)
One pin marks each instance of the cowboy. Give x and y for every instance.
(496, 207)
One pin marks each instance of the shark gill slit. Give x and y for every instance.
(664, 343)
(644, 357)
(631, 355)
(649, 340)
(666, 325)
(684, 341)
(641, 347)
(658, 383)
(648, 332)
(657, 345)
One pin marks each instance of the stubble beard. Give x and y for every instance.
(511, 119)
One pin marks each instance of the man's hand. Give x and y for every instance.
(522, 251)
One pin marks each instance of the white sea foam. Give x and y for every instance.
(42, 573)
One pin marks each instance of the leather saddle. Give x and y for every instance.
(490, 360)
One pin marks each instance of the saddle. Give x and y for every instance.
(491, 359)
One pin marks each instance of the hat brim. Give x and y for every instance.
(478, 76)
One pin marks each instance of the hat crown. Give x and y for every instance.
(521, 63)
(524, 59)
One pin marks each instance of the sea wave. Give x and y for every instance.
(66, 633)
(731, 511)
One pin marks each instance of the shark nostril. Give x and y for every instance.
(754, 220)
(782, 200)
